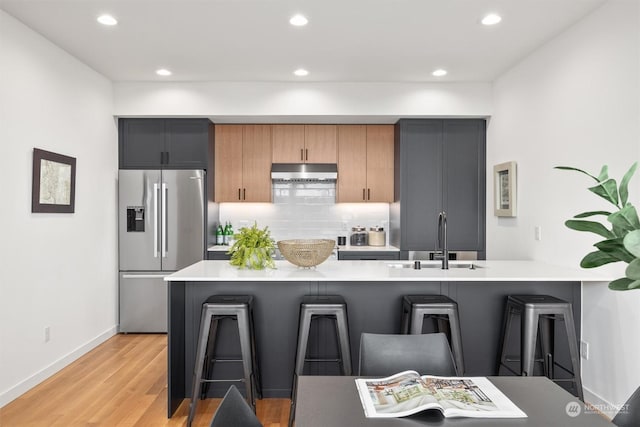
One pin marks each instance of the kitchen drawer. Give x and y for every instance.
(218, 256)
(368, 255)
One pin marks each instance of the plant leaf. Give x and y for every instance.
(590, 226)
(597, 259)
(633, 270)
(625, 219)
(624, 183)
(631, 242)
(615, 249)
(604, 173)
(569, 168)
(608, 190)
(592, 213)
(621, 284)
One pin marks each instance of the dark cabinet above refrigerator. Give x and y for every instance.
(164, 143)
(440, 166)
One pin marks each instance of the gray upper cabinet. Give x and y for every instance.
(440, 166)
(163, 143)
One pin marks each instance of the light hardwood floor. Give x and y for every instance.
(122, 382)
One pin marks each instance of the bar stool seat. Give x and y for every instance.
(444, 311)
(317, 306)
(538, 313)
(214, 309)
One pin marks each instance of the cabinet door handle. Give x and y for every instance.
(239, 198)
(368, 194)
(364, 194)
(301, 154)
(244, 194)
(162, 157)
(306, 154)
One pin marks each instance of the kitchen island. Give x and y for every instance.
(373, 291)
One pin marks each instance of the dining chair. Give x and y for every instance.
(387, 354)
(629, 415)
(234, 411)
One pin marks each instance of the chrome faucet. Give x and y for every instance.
(442, 239)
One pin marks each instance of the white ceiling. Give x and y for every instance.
(346, 41)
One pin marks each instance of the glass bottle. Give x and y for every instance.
(219, 235)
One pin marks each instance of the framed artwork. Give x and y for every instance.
(504, 189)
(54, 182)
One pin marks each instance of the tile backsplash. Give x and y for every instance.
(305, 210)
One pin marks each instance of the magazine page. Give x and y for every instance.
(399, 395)
(475, 397)
(406, 393)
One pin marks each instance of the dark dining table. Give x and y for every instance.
(333, 401)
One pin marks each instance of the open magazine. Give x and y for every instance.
(408, 393)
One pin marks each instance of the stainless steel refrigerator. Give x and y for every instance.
(161, 229)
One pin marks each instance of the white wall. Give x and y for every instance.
(58, 270)
(575, 101)
(302, 102)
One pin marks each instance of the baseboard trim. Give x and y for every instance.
(601, 405)
(35, 379)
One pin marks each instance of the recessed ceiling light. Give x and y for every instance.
(491, 19)
(163, 72)
(298, 20)
(301, 72)
(439, 72)
(107, 20)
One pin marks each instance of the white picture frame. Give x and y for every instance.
(504, 189)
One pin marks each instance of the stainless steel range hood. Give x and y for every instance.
(304, 172)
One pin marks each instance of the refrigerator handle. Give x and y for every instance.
(165, 194)
(155, 220)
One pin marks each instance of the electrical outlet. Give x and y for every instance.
(47, 334)
(538, 232)
(584, 350)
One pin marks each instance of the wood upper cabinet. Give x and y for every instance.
(365, 163)
(304, 144)
(256, 163)
(243, 163)
(380, 163)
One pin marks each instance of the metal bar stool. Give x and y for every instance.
(312, 307)
(444, 311)
(538, 313)
(215, 308)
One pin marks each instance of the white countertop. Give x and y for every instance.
(380, 271)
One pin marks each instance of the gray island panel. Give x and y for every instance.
(373, 306)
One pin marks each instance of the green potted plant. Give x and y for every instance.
(622, 238)
(253, 248)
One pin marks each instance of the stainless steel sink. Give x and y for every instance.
(411, 264)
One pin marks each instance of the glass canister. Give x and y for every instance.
(359, 236)
(377, 236)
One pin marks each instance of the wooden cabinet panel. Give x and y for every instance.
(228, 163)
(365, 163)
(380, 163)
(321, 143)
(243, 163)
(288, 143)
(352, 163)
(256, 163)
(304, 143)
